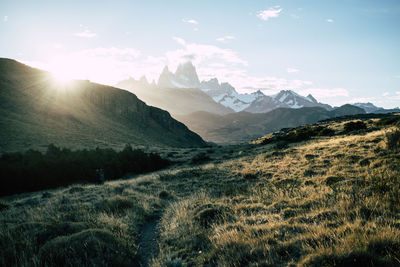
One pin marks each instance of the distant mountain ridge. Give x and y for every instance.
(36, 111)
(371, 108)
(226, 95)
(244, 126)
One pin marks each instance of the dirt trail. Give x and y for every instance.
(148, 246)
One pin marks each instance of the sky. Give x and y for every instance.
(340, 51)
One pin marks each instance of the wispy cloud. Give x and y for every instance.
(292, 70)
(191, 21)
(362, 100)
(329, 20)
(326, 92)
(5, 18)
(272, 12)
(86, 34)
(179, 40)
(113, 52)
(224, 39)
(397, 76)
(198, 53)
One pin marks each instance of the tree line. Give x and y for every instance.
(33, 170)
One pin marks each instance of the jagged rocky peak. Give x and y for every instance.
(165, 71)
(312, 98)
(166, 78)
(187, 75)
(143, 79)
(227, 88)
(258, 93)
(184, 77)
(210, 84)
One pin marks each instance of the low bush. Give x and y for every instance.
(354, 126)
(390, 120)
(33, 170)
(199, 158)
(93, 247)
(299, 134)
(209, 214)
(393, 140)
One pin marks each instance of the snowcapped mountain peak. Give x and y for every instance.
(225, 94)
(368, 107)
(293, 100)
(228, 88)
(258, 93)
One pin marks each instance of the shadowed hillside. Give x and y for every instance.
(244, 126)
(35, 111)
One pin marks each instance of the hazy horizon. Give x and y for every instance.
(341, 52)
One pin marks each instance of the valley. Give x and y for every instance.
(199, 133)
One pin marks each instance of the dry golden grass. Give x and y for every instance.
(323, 202)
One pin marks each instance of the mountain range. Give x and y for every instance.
(222, 98)
(35, 111)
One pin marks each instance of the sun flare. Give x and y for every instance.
(61, 77)
(62, 72)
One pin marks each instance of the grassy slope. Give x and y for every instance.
(317, 203)
(35, 111)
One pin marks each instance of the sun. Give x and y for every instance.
(61, 78)
(62, 73)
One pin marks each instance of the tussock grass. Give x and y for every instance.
(81, 225)
(328, 200)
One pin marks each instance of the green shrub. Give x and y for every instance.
(299, 134)
(393, 140)
(326, 132)
(199, 158)
(354, 126)
(164, 195)
(331, 180)
(390, 120)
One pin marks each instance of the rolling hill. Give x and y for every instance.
(35, 111)
(244, 126)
